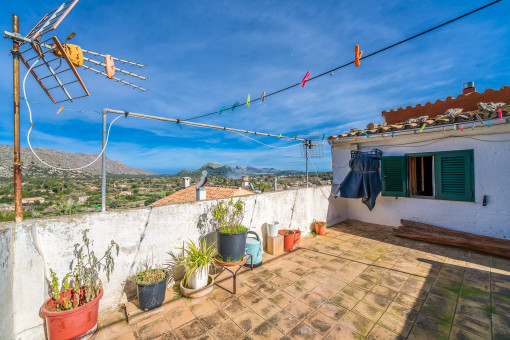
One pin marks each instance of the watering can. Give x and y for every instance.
(253, 247)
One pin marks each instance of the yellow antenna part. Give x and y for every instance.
(74, 53)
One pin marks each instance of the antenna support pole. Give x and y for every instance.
(307, 145)
(103, 166)
(18, 196)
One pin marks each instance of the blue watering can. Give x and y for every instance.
(253, 247)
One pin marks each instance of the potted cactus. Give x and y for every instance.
(72, 309)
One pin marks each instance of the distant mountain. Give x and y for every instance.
(32, 167)
(214, 169)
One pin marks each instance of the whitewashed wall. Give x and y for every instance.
(41, 244)
(6, 297)
(492, 178)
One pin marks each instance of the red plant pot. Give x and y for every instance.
(288, 240)
(297, 236)
(320, 228)
(72, 323)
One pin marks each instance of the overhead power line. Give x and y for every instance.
(348, 64)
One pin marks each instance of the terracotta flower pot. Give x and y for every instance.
(72, 323)
(288, 239)
(297, 236)
(320, 228)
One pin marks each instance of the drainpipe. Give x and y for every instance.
(103, 165)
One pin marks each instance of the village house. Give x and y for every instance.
(190, 193)
(443, 163)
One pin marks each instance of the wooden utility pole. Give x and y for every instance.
(18, 208)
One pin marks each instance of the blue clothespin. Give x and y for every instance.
(323, 136)
(392, 134)
(489, 123)
(235, 105)
(366, 134)
(222, 109)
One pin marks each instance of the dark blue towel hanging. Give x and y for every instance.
(362, 181)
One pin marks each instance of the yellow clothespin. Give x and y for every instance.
(248, 100)
(61, 108)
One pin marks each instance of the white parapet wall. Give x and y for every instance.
(491, 148)
(29, 249)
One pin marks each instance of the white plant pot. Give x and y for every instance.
(198, 279)
(272, 229)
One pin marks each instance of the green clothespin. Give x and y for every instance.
(423, 127)
(235, 105)
(248, 100)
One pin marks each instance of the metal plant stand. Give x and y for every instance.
(228, 265)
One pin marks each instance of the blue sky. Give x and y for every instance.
(203, 55)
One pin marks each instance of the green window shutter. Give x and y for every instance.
(455, 175)
(394, 176)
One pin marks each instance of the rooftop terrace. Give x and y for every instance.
(358, 281)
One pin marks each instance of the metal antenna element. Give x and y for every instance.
(312, 148)
(61, 81)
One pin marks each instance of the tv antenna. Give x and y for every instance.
(312, 148)
(57, 72)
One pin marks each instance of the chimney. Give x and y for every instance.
(186, 182)
(201, 194)
(468, 87)
(245, 182)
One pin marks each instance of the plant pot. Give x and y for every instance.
(198, 279)
(196, 293)
(297, 236)
(272, 229)
(152, 295)
(288, 240)
(231, 246)
(320, 228)
(70, 324)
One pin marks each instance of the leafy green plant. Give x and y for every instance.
(67, 207)
(146, 274)
(314, 234)
(86, 268)
(229, 216)
(195, 257)
(319, 223)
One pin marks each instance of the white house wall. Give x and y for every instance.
(29, 249)
(492, 178)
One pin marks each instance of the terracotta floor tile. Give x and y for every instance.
(248, 320)
(306, 283)
(253, 281)
(201, 306)
(283, 321)
(384, 291)
(418, 333)
(213, 319)
(191, 330)
(344, 300)
(479, 314)
(395, 324)
(265, 331)
(265, 289)
(221, 296)
(179, 316)
(312, 299)
(381, 333)
(459, 333)
(346, 274)
(167, 336)
(437, 326)
(228, 331)
(408, 301)
(295, 290)
(291, 276)
(126, 336)
(304, 332)
(265, 274)
(265, 308)
(357, 323)
(321, 323)
(332, 311)
(154, 329)
(281, 282)
(250, 298)
(344, 333)
(325, 291)
(472, 325)
(368, 311)
(298, 309)
(402, 312)
(379, 301)
(281, 299)
(233, 307)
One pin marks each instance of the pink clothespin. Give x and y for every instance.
(461, 127)
(305, 79)
(500, 114)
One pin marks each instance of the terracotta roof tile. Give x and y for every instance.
(212, 192)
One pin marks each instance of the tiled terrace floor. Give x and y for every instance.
(358, 281)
